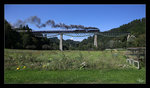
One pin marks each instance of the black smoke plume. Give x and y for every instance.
(37, 21)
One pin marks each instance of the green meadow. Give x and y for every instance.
(70, 67)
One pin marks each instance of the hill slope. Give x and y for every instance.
(136, 28)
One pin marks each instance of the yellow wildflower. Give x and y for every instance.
(24, 67)
(18, 68)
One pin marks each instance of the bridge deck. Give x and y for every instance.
(74, 31)
(67, 31)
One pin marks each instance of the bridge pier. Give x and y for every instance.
(60, 44)
(95, 40)
(128, 36)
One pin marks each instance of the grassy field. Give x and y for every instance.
(35, 66)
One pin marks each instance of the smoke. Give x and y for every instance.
(18, 24)
(32, 20)
(37, 21)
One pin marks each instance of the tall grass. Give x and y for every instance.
(57, 60)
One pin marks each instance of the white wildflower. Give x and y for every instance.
(140, 80)
(83, 63)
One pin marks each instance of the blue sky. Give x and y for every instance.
(102, 16)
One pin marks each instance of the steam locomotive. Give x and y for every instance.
(88, 30)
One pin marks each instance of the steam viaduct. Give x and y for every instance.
(78, 32)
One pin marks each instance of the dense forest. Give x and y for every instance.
(27, 40)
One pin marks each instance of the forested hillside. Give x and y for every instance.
(15, 40)
(136, 28)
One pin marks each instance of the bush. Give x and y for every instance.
(30, 47)
(45, 47)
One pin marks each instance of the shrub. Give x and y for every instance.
(45, 47)
(30, 47)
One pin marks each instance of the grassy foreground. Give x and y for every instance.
(56, 67)
(76, 76)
